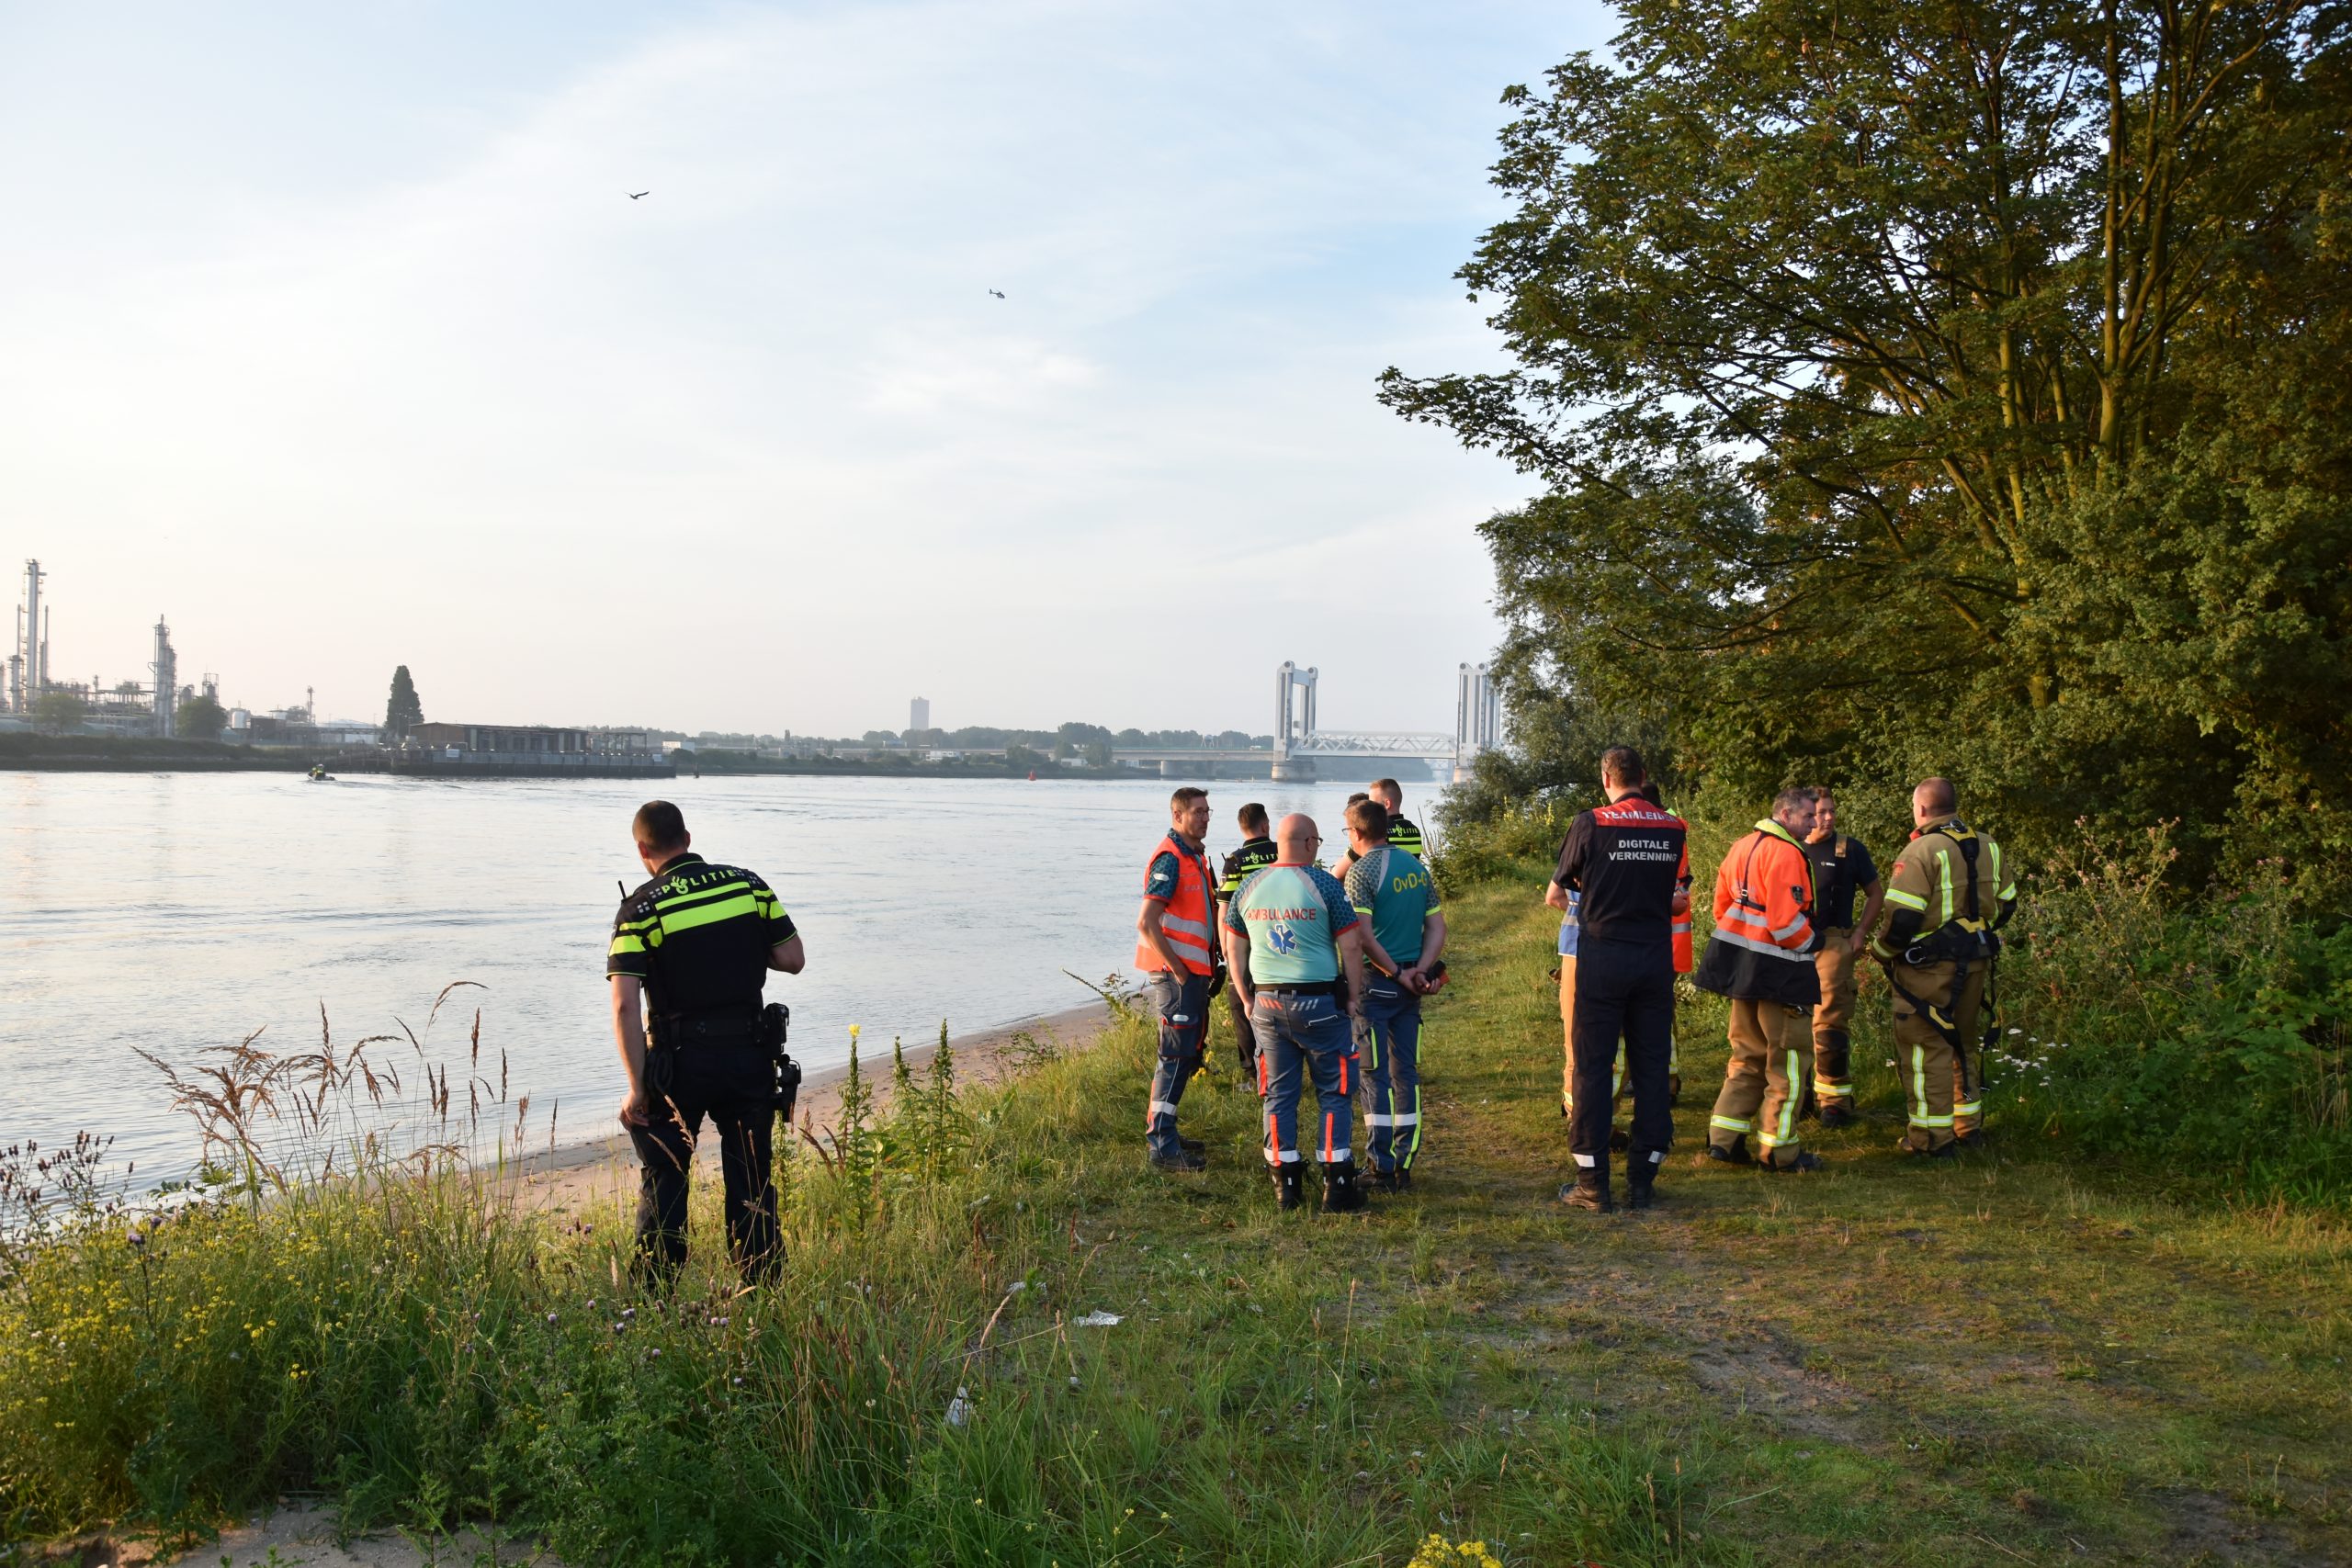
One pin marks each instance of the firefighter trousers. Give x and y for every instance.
(1942, 1089)
(1833, 1048)
(1763, 1080)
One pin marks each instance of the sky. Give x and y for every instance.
(332, 334)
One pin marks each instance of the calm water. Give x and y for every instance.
(178, 911)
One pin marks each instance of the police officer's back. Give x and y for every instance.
(691, 951)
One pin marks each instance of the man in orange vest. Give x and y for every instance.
(1761, 956)
(1176, 950)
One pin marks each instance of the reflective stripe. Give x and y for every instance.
(1907, 900)
(1374, 1119)
(1831, 1088)
(1758, 944)
(1918, 1082)
(1791, 928)
(1731, 1124)
(1409, 1119)
(1943, 864)
(1931, 1121)
(2009, 894)
(1178, 923)
(1289, 1156)
(1332, 1156)
(1787, 1133)
(1972, 1108)
(1163, 1108)
(709, 914)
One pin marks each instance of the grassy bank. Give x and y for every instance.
(2016, 1358)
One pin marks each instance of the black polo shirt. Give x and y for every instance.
(1841, 868)
(1625, 861)
(698, 935)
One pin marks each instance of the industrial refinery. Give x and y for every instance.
(36, 696)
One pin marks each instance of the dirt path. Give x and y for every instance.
(2050, 1362)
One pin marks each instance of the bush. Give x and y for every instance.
(2206, 1030)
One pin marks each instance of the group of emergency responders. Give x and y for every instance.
(1326, 978)
(1326, 966)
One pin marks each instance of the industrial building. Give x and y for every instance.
(119, 707)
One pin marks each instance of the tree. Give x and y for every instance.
(404, 712)
(54, 713)
(200, 718)
(1938, 385)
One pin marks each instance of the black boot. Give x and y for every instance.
(1342, 1192)
(1590, 1190)
(1181, 1159)
(1641, 1180)
(1736, 1153)
(1191, 1146)
(1289, 1191)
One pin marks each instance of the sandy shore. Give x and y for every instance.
(600, 1170)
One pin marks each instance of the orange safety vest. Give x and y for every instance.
(1682, 943)
(1188, 920)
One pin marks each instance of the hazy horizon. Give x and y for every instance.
(338, 339)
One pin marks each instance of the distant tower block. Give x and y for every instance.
(919, 714)
(166, 670)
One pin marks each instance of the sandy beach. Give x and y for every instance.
(603, 1170)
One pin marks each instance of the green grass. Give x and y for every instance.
(2013, 1359)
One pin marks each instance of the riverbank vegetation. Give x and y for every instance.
(1885, 1364)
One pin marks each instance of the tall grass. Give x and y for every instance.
(404, 1337)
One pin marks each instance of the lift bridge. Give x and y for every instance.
(1300, 743)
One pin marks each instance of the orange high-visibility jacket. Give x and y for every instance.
(1764, 939)
(1186, 921)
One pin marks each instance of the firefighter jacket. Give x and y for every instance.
(1947, 888)
(1764, 938)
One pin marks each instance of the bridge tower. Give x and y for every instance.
(1477, 717)
(1292, 682)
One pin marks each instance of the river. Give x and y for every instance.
(179, 911)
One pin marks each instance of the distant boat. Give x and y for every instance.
(1033, 776)
(318, 772)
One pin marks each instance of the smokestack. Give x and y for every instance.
(166, 670)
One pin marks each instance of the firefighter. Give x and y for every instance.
(1761, 957)
(1841, 867)
(1625, 864)
(1950, 894)
(1176, 950)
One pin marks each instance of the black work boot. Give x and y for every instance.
(1289, 1189)
(1182, 1160)
(1590, 1190)
(1641, 1180)
(1837, 1114)
(1191, 1146)
(1735, 1153)
(1805, 1160)
(1342, 1194)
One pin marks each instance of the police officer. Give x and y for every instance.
(1950, 894)
(1294, 943)
(691, 951)
(1402, 834)
(1761, 956)
(1627, 865)
(1176, 950)
(1392, 891)
(1257, 850)
(1841, 867)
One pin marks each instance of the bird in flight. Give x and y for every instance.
(998, 292)
(635, 194)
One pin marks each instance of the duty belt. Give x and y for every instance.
(711, 1028)
(1305, 989)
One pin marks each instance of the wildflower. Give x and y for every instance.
(657, 1352)
(550, 1317)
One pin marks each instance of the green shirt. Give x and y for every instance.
(1395, 891)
